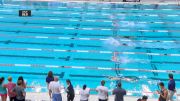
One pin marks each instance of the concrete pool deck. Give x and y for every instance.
(45, 97)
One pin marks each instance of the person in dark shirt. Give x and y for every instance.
(70, 91)
(20, 92)
(49, 78)
(171, 87)
(163, 93)
(119, 93)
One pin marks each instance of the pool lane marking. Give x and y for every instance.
(75, 20)
(57, 12)
(89, 51)
(93, 68)
(165, 31)
(58, 50)
(34, 49)
(105, 14)
(84, 38)
(88, 28)
(6, 10)
(82, 51)
(159, 22)
(10, 5)
(79, 7)
(52, 66)
(101, 39)
(65, 38)
(71, 28)
(143, 30)
(78, 67)
(49, 27)
(41, 37)
(55, 19)
(108, 21)
(90, 20)
(22, 65)
(90, 13)
(172, 15)
(153, 15)
(95, 28)
(75, 13)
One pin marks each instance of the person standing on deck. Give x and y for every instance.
(70, 91)
(84, 93)
(19, 90)
(102, 92)
(119, 93)
(49, 78)
(10, 86)
(171, 87)
(55, 89)
(3, 91)
(163, 93)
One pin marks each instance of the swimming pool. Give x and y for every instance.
(77, 41)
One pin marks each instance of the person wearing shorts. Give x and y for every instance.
(3, 91)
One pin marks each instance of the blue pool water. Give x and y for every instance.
(77, 41)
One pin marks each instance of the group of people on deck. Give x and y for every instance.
(16, 92)
(55, 90)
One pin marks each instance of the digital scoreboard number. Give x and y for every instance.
(24, 13)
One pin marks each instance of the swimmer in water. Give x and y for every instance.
(124, 78)
(115, 56)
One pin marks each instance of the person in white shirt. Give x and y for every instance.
(102, 92)
(55, 89)
(84, 93)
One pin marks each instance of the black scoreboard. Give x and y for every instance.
(24, 13)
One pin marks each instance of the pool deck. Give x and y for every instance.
(45, 97)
